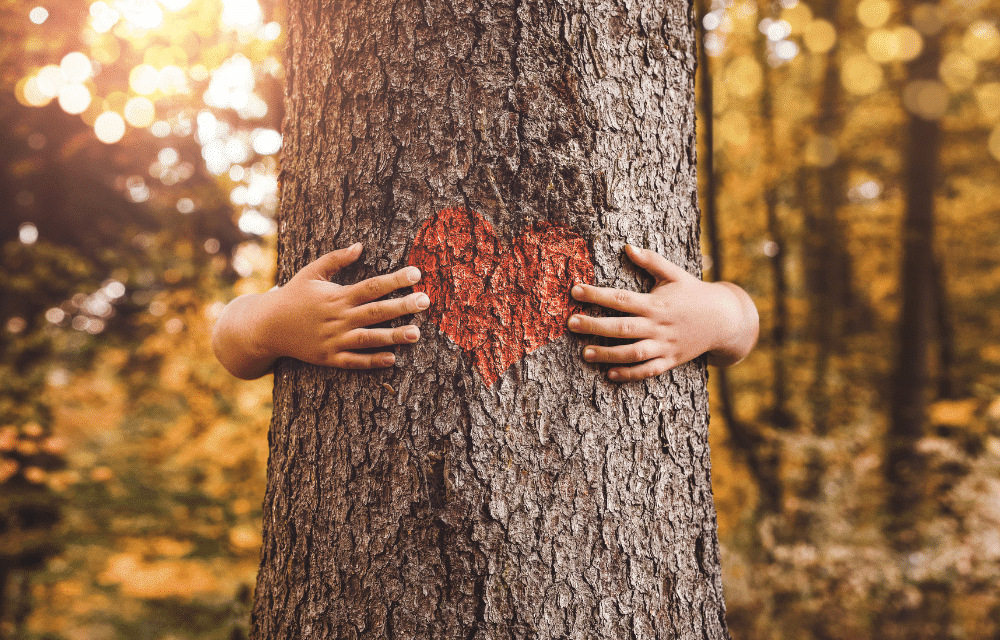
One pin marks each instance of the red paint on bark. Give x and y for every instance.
(498, 302)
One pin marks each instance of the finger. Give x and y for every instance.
(375, 312)
(375, 288)
(351, 360)
(657, 266)
(622, 354)
(632, 327)
(642, 371)
(375, 338)
(620, 299)
(328, 264)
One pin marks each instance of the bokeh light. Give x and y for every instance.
(38, 15)
(873, 13)
(786, 50)
(270, 31)
(253, 222)
(140, 112)
(185, 205)
(982, 41)
(76, 67)
(50, 80)
(141, 14)
(168, 156)
(109, 127)
(215, 157)
(988, 99)
(266, 141)
(144, 79)
(819, 36)
(860, 75)
(27, 233)
(74, 98)
(241, 14)
(958, 70)
(103, 17)
(30, 93)
(798, 17)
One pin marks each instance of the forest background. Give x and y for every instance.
(139, 149)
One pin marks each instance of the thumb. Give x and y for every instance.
(325, 266)
(657, 266)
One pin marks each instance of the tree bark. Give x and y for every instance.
(467, 492)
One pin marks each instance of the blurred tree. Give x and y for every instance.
(828, 261)
(911, 376)
(98, 231)
(442, 499)
(776, 248)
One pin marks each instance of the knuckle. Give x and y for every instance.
(411, 303)
(620, 296)
(373, 313)
(371, 287)
(336, 359)
(626, 328)
(640, 354)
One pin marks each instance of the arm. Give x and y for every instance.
(680, 319)
(317, 321)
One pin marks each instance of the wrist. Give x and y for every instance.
(262, 331)
(739, 323)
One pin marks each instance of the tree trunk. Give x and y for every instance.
(781, 415)
(492, 484)
(911, 378)
(827, 258)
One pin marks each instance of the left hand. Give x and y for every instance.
(680, 319)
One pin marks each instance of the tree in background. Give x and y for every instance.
(128, 132)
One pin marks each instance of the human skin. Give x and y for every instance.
(681, 318)
(318, 321)
(323, 323)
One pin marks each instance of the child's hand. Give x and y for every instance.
(317, 321)
(680, 319)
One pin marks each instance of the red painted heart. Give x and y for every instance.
(498, 303)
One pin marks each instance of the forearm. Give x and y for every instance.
(744, 323)
(236, 338)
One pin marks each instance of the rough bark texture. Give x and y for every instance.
(425, 502)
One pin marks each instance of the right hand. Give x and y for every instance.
(320, 322)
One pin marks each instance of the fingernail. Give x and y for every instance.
(423, 301)
(614, 375)
(413, 274)
(388, 360)
(354, 246)
(412, 333)
(588, 353)
(577, 291)
(574, 322)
